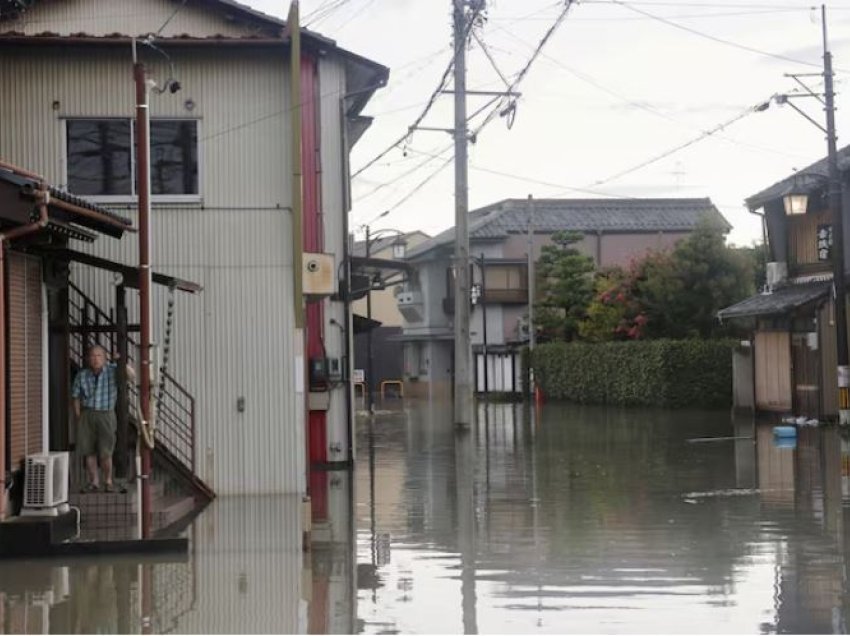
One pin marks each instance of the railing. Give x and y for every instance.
(175, 422)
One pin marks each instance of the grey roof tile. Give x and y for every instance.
(583, 215)
(780, 301)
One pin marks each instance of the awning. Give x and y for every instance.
(362, 324)
(130, 274)
(780, 301)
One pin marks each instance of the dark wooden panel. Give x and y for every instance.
(25, 356)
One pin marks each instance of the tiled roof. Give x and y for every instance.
(583, 215)
(381, 244)
(807, 179)
(778, 302)
(11, 177)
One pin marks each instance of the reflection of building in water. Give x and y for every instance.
(249, 566)
(332, 565)
(802, 497)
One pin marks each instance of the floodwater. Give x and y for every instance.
(573, 519)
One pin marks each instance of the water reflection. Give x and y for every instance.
(594, 519)
(246, 573)
(573, 519)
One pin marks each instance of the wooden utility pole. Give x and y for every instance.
(463, 346)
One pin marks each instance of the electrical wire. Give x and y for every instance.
(713, 38)
(709, 5)
(584, 77)
(524, 71)
(667, 153)
(429, 158)
(493, 113)
(490, 57)
(549, 184)
(428, 105)
(177, 10)
(333, 7)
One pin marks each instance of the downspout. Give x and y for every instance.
(346, 255)
(41, 223)
(294, 26)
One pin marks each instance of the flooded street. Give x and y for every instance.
(581, 519)
(599, 520)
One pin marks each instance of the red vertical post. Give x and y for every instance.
(143, 185)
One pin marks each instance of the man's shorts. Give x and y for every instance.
(96, 433)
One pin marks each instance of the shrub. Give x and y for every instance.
(666, 373)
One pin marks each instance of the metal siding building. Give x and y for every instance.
(236, 342)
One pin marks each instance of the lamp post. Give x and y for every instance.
(796, 203)
(399, 246)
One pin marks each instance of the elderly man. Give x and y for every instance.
(95, 392)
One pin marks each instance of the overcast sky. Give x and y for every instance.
(616, 86)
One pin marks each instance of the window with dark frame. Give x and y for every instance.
(100, 163)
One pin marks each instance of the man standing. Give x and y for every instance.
(95, 392)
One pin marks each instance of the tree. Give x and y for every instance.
(565, 287)
(673, 294)
(682, 295)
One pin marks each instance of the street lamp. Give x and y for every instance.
(399, 247)
(796, 203)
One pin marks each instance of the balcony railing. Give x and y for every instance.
(491, 297)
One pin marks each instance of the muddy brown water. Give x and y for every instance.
(575, 519)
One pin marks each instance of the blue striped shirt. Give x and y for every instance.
(98, 392)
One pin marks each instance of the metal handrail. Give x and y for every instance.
(174, 429)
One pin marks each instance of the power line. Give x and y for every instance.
(429, 158)
(537, 51)
(584, 77)
(549, 184)
(707, 5)
(491, 116)
(331, 8)
(667, 153)
(428, 104)
(713, 38)
(490, 57)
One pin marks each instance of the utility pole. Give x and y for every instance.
(144, 187)
(835, 203)
(370, 394)
(463, 346)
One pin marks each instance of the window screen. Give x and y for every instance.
(174, 157)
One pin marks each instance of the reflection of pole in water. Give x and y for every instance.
(465, 484)
(146, 597)
(372, 517)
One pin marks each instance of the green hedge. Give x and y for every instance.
(667, 373)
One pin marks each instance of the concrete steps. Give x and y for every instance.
(116, 511)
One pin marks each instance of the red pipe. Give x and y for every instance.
(143, 163)
(44, 199)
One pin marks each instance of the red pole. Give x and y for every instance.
(143, 171)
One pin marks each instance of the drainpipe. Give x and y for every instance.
(43, 202)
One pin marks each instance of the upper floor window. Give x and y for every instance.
(101, 157)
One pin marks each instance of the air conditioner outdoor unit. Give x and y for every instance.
(410, 305)
(777, 273)
(46, 485)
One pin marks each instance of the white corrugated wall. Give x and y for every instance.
(236, 338)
